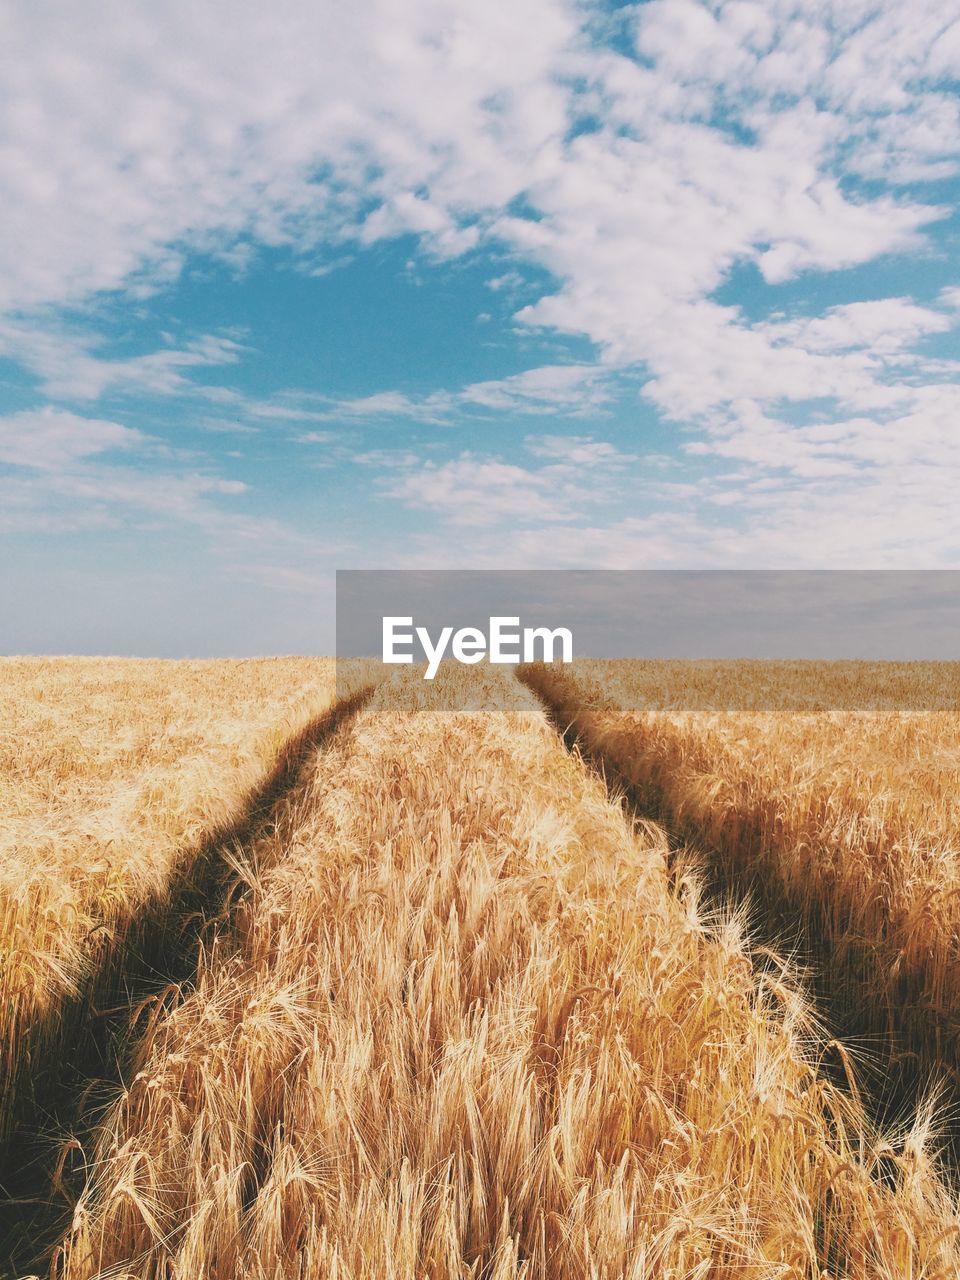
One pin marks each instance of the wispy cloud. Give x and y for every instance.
(473, 490)
(50, 439)
(67, 472)
(70, 366)
(576, 390)
(578, 451)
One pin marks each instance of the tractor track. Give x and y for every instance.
(86, 1047)
(894, 1077)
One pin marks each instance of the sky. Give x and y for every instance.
(421, 284)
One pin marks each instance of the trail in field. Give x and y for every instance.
(897, 1081)
(113, 772)
(462, 1024)
(90, 1043)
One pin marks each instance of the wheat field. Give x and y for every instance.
(112, 774)
(461, 1017)
(830, 792)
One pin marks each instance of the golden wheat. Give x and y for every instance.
(463, 1025)
(112, 772)
(843, 817)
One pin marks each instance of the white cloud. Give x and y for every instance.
(574, 390)
(132, 136)
(69, 368)
(481, 491)
(644, 217)
(386, 458)
(577, 451)
(579, 472)
(62, 472)
(642, 231)
(49, 439)
(847, 492)
(316, 437)
(135, 136)
(740, 137)
(435, 407)
(511, 280)
(884, 327)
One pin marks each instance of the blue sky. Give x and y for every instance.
(423, 284)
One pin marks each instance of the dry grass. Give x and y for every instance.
(847, 819)
(463, 1026)
(112, 773)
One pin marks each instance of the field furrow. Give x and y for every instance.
(115, 854)
(842, 826)
(464, 1024)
